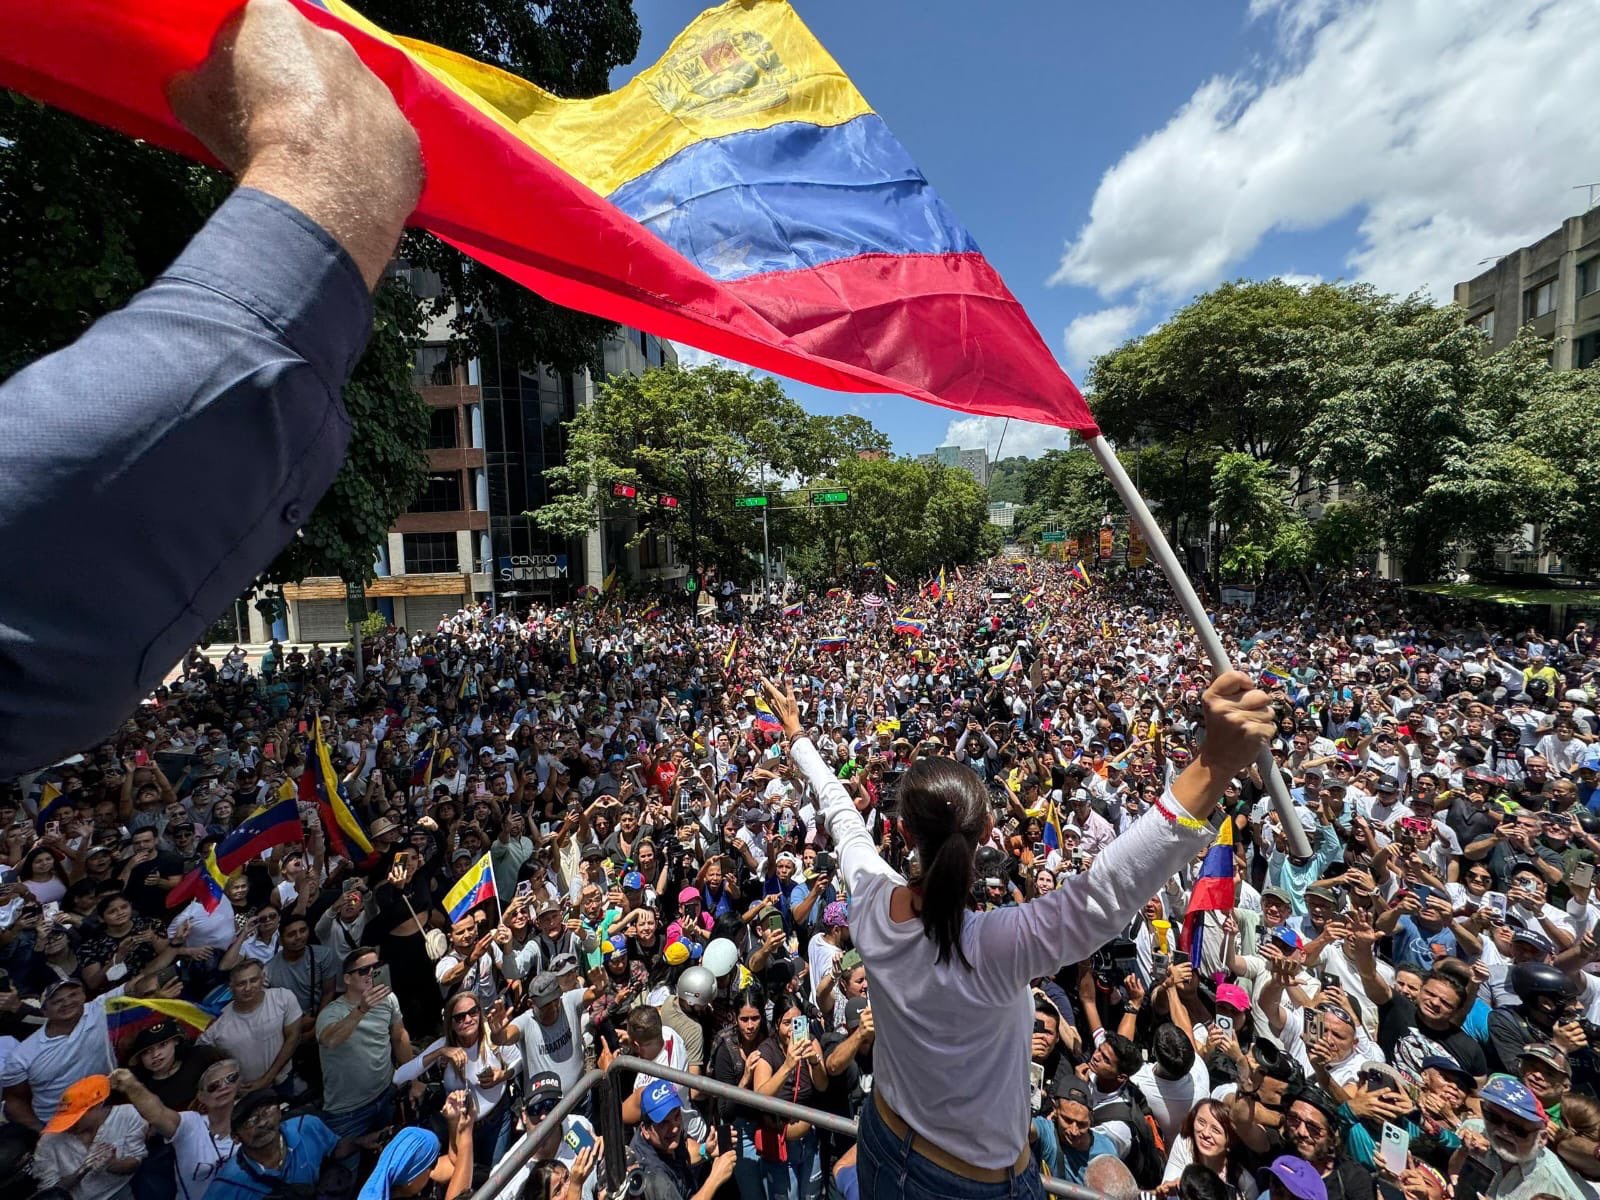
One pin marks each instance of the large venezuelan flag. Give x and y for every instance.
(740, 195)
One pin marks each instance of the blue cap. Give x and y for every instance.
(633, 880)
(660, 1101)
(1298, 1176)
(1512, 1096)
(1451, 1069)
(1536, 938)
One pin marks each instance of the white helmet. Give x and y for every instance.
(696, 988)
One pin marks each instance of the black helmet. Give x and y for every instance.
(1531, 979)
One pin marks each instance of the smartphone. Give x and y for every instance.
(1225, 1022)
(141, 758)
(301, 728)
(1393, 1148)
(1038, 849)
(1582, 875)
(524, 889)
(1313, 1026)
(270, 750)
(579, 1138)
(1496, 903)
(801, 1030)
(726, 1138)
(1326, 980)
(1422, 892)
(774, 921)
(1475, 1177)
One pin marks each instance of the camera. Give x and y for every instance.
(1114, 962)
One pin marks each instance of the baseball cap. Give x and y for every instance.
(79, 1098)
(688, 895)
(546, 986)
(1233, 996)
(1070, 1088)
(1535, 938)
(1328, 894)
(1452, 1070)
(660, 1101)
(1549, 1054)
(562, 964)
(252, 1102)
(1298, 1177)
(1277, 893)
(1287, 938)
(1512, 1096)
(853, 1008)
(55, 986)
(544, 1089)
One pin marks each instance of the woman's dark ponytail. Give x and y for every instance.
(944, 805)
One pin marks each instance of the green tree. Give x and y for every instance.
(569, 48)
(1007, 480)
(1556, 431)
(910, 518)
(1253, 515)
(1240, 368)
(706, 436)
(1418, 420)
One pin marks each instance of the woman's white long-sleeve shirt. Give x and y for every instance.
(951, 1053)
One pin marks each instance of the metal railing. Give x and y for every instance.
(609, 1124)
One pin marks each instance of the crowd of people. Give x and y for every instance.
(1411, 1009)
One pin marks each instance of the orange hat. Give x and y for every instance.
(79, 1098)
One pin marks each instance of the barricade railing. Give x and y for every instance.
(609, 1124)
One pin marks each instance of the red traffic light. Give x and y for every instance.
(669, 502)
(624, 491)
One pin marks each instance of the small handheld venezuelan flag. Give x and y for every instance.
(471, 890)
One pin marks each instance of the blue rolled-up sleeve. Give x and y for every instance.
(153, 468)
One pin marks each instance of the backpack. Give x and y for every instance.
(1147, 1156)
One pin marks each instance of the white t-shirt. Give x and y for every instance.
(675, 1055)
(48, 1064)
(214, 930)
(557, 1048)
(822, 954)
(1171, 1099)
(200, 1154)
(253, 1039)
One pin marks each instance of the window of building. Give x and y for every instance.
(1537, 301)
(443, 431)
(1589, 276)
(1483, 323)
(432, 367)
(430, 553)
(441, 493)
(1586, 350)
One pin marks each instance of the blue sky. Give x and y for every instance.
(1113, 160)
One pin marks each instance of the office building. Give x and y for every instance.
(1551, 287)
(975, 463)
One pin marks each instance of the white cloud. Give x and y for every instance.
(1001, 440)
(1094, 333)
(1455, 129)
(691, 356)
(1296, 279)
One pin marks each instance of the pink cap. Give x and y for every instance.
(688, 894)
(1233, 996)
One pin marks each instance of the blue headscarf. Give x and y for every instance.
(411, 1152)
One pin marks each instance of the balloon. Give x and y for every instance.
(721, 956)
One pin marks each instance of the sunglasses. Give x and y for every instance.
(225, 1081)
(1316, 1128)
(458, 1018)
(1490, 1117)
(366, 970)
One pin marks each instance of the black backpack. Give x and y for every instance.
(1147, 1156)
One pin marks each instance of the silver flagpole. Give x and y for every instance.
(1190, 603)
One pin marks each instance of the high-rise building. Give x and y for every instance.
(948, 456)
(975, 463)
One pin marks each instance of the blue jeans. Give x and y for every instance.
(805, 1167)
(887, 1168)
(491, 1134)
(756, 1178)
(374, 1114)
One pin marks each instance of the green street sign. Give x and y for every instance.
(750, 502)
(1052, 535)
(836, 497)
